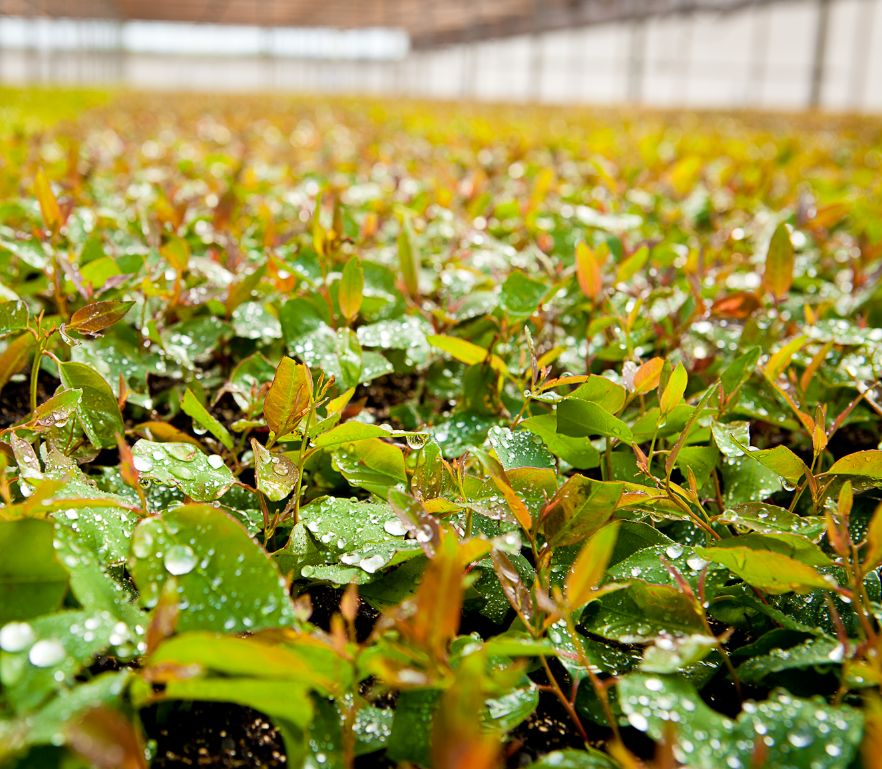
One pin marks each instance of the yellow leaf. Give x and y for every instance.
(48, 203)
(588, 271)
(351, 292)
(778, 275)
(674, 389)
(589, 567)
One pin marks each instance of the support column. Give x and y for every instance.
(636, 64)
(537, 55)
(819, 55)
(759, 57)
(862, 49)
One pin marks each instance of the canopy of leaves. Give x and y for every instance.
(419, 433)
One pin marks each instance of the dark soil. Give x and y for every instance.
(325, 601)
(388, 391)
(212, 734)
(15, 404)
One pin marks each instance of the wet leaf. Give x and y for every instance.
(32, 581)
(99, 412)
(778, 275)
(98, 316)
(201, 477)
(225, 582)
(289, 397)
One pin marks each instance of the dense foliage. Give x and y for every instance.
(449, 436)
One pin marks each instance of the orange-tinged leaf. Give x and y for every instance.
(107, 740)
(647, 376)
(814, 364)
(438, 599)
(49, 207)
(97, 316)
(589, 567)
(778, 275)
(736, 306)
(289, 396)
(588, 271)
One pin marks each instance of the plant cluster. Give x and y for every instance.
(445, 437)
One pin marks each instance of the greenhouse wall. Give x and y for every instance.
(761, 56)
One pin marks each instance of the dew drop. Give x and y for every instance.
(16, 636)
(216, 461)
(395, 527)
(142, 464)
(180, 559)
(46, 653)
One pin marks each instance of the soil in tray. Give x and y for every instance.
(213, 734)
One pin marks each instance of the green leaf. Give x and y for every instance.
(200, 477)
(574, 759)
(778, 275)
(521, 295)
(407, 333)
(32, 581)
(814, 652)
(792, 545)
(276, 474)
(794, 733)
(672, 655)
(256, 320)
(223, 578)
(518, 449)
(371, 464)
(350, 432)
(13, 317)
(739, 370)
(300, 659)
(289, 397)
(584, 418)
(640, 612)
(767, 570)
(56, 411)
(346, 539)
(607, 394)
(408, 259)
(781, 460)
(770, 519)
(278, 699)
(46, 726)
(574, 451)
(202, 417)
(99, 412)
(44, 654)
